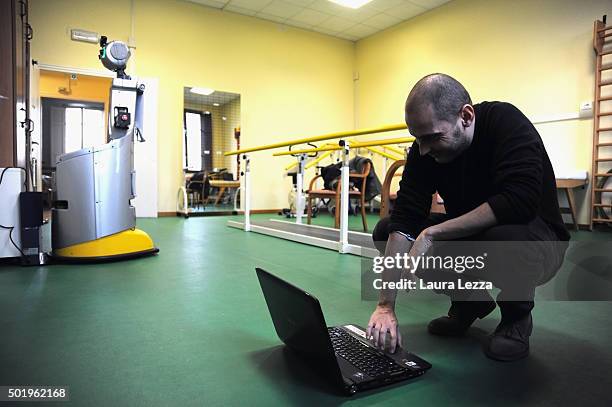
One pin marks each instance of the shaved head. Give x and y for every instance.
(443, 93)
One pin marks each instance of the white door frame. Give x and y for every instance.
(145, 154)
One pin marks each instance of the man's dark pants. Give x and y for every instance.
(520, 257)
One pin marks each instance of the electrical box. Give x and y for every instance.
(586, 109)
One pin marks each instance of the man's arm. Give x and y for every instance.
(517, 174)
(410, 211)
(383, 319)
(471, 223)
(397, 244)
(416, 187)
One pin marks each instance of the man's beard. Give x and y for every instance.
(458, 147)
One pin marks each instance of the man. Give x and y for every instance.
(488, 163)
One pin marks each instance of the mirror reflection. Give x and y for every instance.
(211, 127)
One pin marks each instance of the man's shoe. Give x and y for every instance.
(460, 317)
(510, 341)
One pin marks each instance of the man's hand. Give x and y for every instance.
(422, 244)
(383, 322)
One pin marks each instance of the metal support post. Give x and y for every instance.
(344, 197)
(246, 188)
(299, 194)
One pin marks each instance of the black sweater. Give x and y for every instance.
(506, 165)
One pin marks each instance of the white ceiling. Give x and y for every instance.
(329, 18)
(217, 97)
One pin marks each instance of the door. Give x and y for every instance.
(36, 131)
(145, 153)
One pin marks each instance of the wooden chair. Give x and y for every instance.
(386, 195)
(329, 194)
(197, 191)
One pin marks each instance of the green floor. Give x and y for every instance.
(190, 327)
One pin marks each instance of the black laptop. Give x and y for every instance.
(342, 352)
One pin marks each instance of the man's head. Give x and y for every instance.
(440, 116)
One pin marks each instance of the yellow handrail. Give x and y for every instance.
(353, 145)
(396, 150)
(384, 154)
(290, 166)
(318, 159)
(295, 164)
(329, 136)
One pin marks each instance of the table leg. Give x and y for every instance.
(219, 195)
(572, 205)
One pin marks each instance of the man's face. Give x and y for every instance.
(442, 140)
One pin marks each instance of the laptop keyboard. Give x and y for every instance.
(361, 356)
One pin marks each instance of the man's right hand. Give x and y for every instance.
(383, 322)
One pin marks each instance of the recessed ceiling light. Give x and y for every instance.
(202, 91)
(207, 112)
(351, 3)
(215, 104)
(224, 118)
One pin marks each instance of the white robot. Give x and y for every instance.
(93, 218)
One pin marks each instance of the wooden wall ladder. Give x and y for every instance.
(602, 42)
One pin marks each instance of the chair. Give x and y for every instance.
(198, 189)
(387, 197)
(329, 194)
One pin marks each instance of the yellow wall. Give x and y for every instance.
(84, 87)
(292, 82)
(537, 55)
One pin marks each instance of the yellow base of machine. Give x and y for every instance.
(126, 244)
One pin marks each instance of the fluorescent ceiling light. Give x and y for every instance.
(207, 112)
(215, 104)
(351, 3)
(202, 91)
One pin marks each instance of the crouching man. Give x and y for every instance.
(490, 166)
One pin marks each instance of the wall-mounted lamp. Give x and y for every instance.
(77, 34)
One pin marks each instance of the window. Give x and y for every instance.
(198, 141)
(83, 128)
(193, 141)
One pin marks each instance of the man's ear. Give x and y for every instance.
(467, 115)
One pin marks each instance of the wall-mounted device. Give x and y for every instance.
(77, 34)
(31, 222)
(586, 109)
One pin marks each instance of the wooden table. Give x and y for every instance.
(223, 185)
(568, 185)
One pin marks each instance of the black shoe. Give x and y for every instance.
(460, 317)
(510, 341)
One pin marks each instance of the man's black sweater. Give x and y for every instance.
(506, 165)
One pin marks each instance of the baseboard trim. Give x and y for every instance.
(260, 211)
(254, 212)
(581, 226)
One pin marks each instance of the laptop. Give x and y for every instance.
(344, 353)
